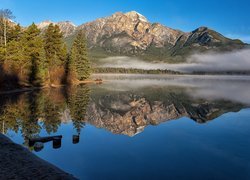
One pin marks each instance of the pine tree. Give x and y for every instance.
(2, 55)
(15, 50)
(78, 62)
(15, 33)
(56, 53)
(64, 54)
(70, 70)
(54, 46)
(35, 54)
(48, 44)
(60, 47)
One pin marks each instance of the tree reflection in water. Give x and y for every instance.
(31, 112)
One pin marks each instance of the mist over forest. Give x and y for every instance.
(230, 61)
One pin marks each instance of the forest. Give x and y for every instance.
(32, 58)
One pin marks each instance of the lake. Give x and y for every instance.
(138, 126)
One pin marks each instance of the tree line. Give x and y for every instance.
(133, 71)
(30, 57)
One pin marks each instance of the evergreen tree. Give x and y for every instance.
(78, 62)
(15, 33)
(60, 46)
(35, 54)
(54, 46)
(56, 53)
(64, 53)
(48, 44)
(15, 50)
(2, 55)
(70, 71)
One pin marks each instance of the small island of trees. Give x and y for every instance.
(32, 58)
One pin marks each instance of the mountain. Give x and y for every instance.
(43, 25)
(67, 27)
(131, 34)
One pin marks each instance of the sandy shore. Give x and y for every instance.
(16, 162)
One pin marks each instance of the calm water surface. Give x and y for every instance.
(139, 127)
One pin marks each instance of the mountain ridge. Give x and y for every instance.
(131, 34)
(67, 27)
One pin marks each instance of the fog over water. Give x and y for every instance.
(233, 88)
(232, 61)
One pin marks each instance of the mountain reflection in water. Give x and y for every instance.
(122, 105)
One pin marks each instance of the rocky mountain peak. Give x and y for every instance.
(66, 23)
(201, 29)
(44, 24)
(136, 16)
(128, 33)
(67, 27)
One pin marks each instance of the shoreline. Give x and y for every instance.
(207, 76)
(17, 162)
(98, 80)
(19, 90)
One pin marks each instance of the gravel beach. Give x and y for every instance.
(17, 162)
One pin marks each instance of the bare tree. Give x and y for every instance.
(5, 16)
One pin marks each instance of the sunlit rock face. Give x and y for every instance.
(129, 32)
(132, 34)
(43, 25)
(66, 27)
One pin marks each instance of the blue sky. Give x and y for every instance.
(230, 17)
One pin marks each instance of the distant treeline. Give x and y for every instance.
(29, 57)
(221, 73)
(160, 71)
(133, 71)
